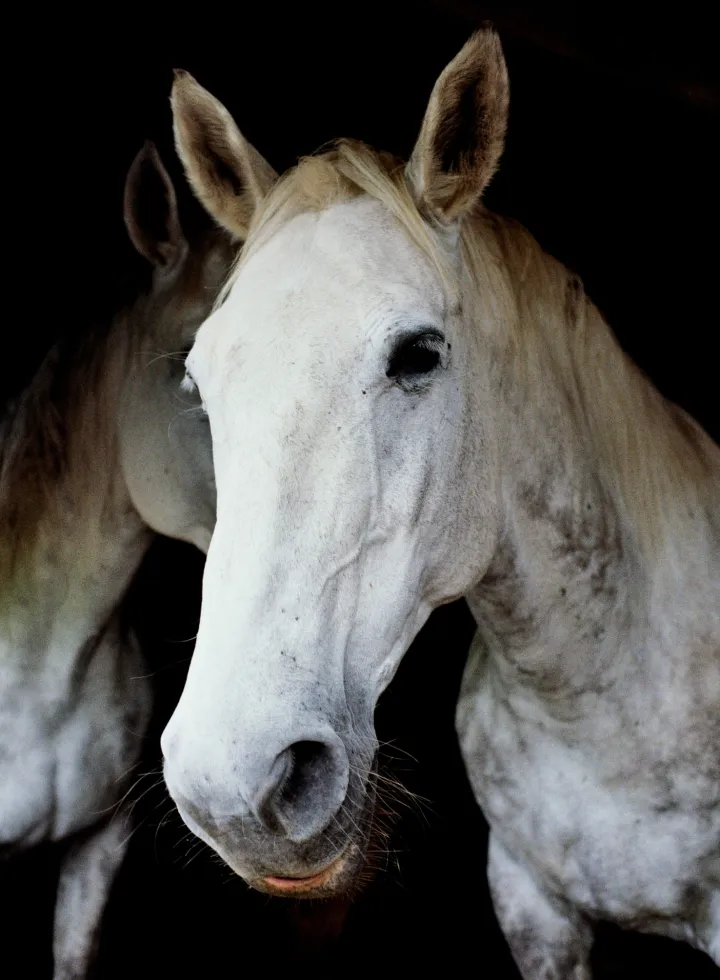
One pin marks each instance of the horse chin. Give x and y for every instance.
(336, 878)
(339, 861)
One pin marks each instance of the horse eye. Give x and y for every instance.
(416, 355)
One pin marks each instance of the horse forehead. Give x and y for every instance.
(363, 243)
(349, 254)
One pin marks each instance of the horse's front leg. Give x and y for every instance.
(549, 941)
(86, 877)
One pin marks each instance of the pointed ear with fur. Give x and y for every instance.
(151, 213)
(462, 135)
(227, 174)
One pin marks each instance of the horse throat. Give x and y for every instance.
(555, 597)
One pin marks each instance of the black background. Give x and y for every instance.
(610, 161)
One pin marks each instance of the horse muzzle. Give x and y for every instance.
(294, 822)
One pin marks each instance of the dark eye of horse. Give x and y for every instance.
(416, 355)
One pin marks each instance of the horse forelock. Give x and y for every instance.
(345, 171)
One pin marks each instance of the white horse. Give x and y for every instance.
(99, 451)
(411, 402)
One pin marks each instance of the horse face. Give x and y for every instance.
(164, 436)
(334, 379)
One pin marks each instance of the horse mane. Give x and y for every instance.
(656, 463)
(56, 442)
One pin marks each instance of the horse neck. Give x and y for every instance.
(71, 538)
(611, 525)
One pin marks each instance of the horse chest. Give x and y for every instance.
(586, 814)
(63, 752)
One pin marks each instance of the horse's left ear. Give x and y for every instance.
(463, 132)
(151, 213)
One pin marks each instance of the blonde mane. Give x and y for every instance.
(58, 438)
(655, 463)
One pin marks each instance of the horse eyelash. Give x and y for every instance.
(189, 386)
(188, 383)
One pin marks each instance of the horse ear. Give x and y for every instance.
(462, 135)
(226, 172)
(150, 211)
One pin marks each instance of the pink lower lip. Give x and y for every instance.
(289, 886)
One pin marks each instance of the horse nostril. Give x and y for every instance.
(300, 787)
(310, 761)
(266, 800)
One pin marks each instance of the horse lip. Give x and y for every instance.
(298, 886)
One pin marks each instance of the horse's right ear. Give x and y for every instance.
(151, 213)
(228, 175)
